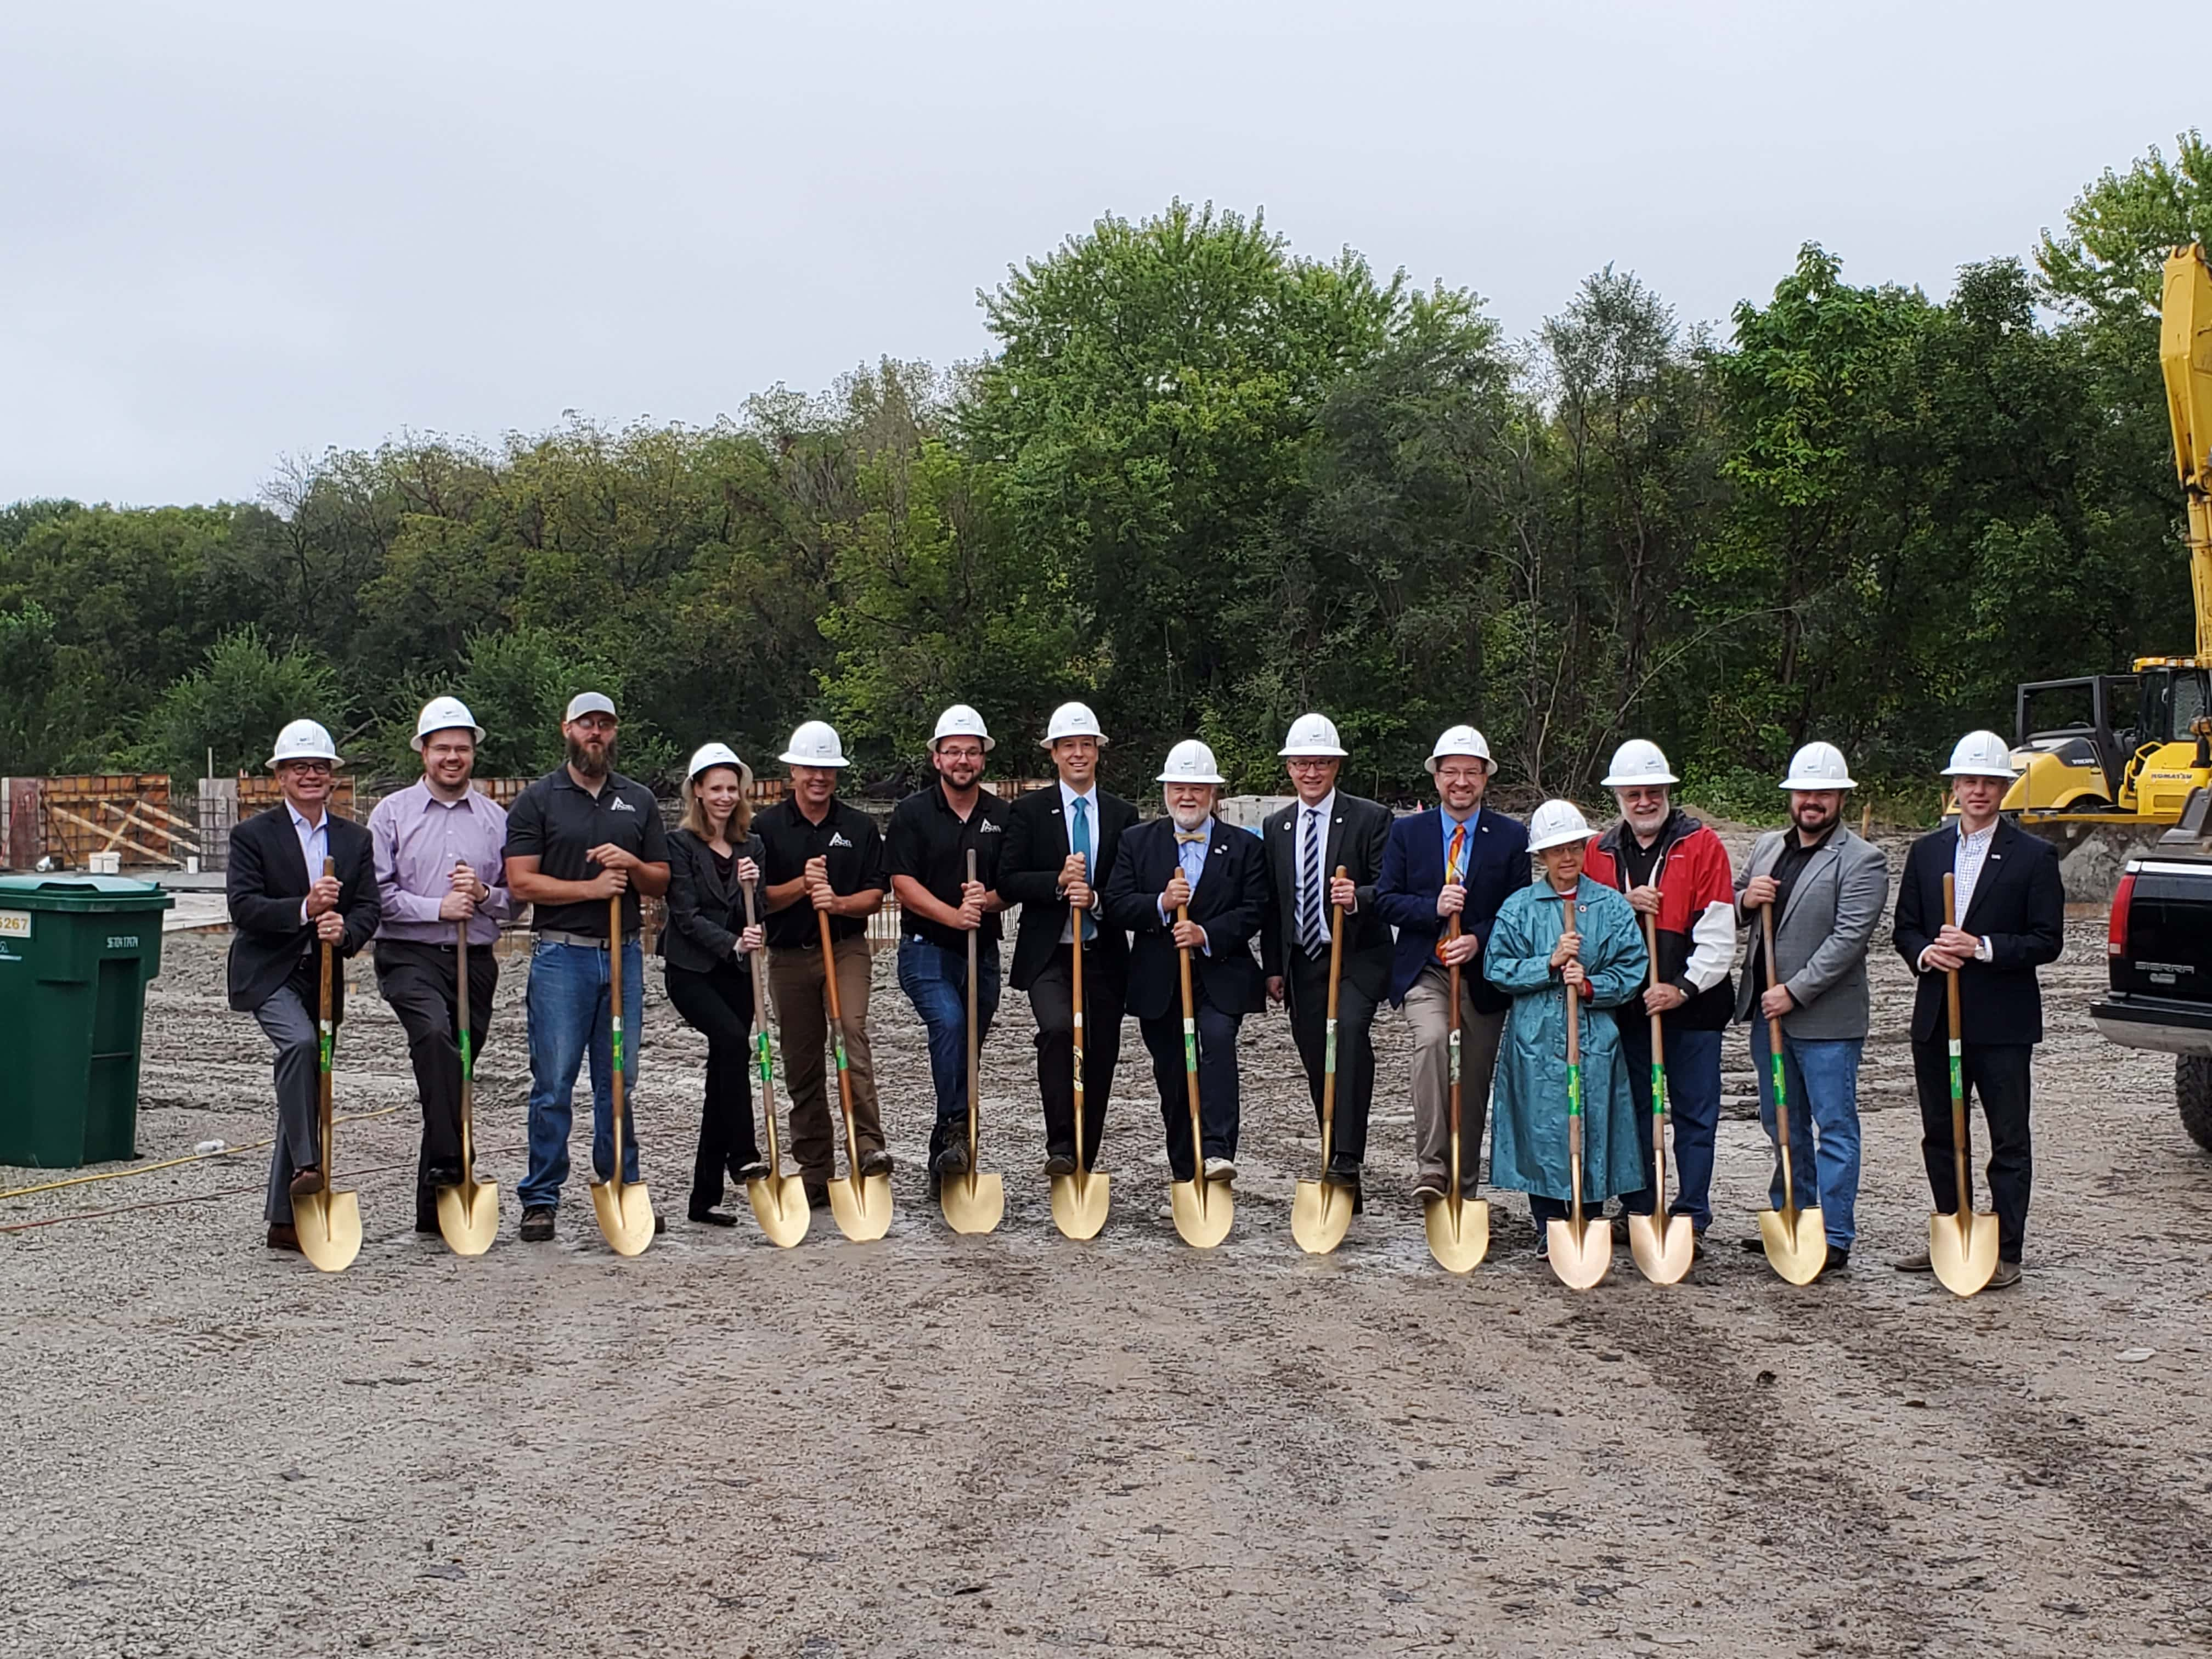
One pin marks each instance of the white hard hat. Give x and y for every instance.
(1980, 754)
(444, 715)
(815, 744)
(1312, 736)
(962, 721)
(303, 740)
(1555, 823)
(1819, 766)
(709, 755)
(1191, 761)
(1638, 760)
(1072, 719)
(1461, 740)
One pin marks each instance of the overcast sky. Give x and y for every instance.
(238, 230)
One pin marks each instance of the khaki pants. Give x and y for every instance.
(1428, 1010)
(802, 1012)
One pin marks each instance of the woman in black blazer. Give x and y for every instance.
(704, 949)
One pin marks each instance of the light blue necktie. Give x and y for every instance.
(1079, 841)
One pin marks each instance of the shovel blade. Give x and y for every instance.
(1079, 1203)
(468, 1215)
(1663, 1255)
(862, 1209)
(1459, 1232)
(1798, 1256)
(1963, 1250)
(973, 1203)
(1203, 1211)
(329, 1225)
(1580, 1256)
(625, 1212)
(780, 1207)
(1320, 1213)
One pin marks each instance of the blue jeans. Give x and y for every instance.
(1694, 1101)
(935, 980)
(1822, 1078)
(570, 1016)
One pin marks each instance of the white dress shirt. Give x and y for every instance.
(1089, 798)
(314, 846)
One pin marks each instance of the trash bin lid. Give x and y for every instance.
(82, 893)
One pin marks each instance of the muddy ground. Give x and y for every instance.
(1020, 1444)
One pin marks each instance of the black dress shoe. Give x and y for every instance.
(659, 1225)
(1341, 1174)
(536, 1224)
(428, 1226)
(1059, 1164)
(953, 1161)
(753, 1169)
(282, 1236)
(442, 1174)
(1838, 1261)
(878, 1162)
(708, 1216)
(818, 1194)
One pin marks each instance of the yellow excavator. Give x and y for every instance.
(2133, 756)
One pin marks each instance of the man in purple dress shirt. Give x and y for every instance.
(438, 869)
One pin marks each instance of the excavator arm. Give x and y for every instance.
(2184, 351)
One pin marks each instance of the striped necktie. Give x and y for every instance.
(1311, 934)
(1454, 870)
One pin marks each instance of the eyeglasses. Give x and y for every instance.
(308, 768)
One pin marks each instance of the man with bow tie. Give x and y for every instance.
(1190, 858)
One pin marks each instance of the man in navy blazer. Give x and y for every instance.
(1454, 860)
(1190, 858)
(2012, 919)
(283, 910)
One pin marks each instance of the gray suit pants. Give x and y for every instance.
(291, 1028)
(1428, 1010)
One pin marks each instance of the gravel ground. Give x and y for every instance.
(1021, 1444)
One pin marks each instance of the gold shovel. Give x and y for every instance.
(1079, 1201)
(468, 1215)
(1962, 1247)
(624, 1207)
(1797, 1240)
(779, 1201)
(861, 1204)
(1664, 1246)
(1459, 1228)
(1579, 1250)
(973, 1203)
(1319, 1212)
(1202, 1215)
(327, 1221)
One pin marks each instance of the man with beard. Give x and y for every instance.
(438, 848)
(283, 910)
(931, 835)
(1674, 869)
(576, 838)
(1190, 858)
(1061, 843)
(1826, 887)
(821, 857)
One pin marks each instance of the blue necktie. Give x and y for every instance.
(1079, 841)
(1311, 934)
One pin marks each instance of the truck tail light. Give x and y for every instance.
(2116, 929)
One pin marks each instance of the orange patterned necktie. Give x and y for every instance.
(1455, 868)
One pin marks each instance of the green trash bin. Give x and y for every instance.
(75, 952)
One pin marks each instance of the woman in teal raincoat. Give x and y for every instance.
(1532, 956)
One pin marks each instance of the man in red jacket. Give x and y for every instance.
(1674, 870)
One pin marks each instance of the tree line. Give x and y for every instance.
(1206, 483)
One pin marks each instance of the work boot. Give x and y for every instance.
(309, 1180)
(1220, 1168)
(878, 1162)
(2006, 1276)
(282, 1236)
(537, 1225)
(1918, 1262)
(1838, 1261)
(953, 1161)
(1059, 1164)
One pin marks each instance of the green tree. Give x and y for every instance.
(234, 704)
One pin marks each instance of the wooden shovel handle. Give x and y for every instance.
(326, 1038)
(1574, 1016)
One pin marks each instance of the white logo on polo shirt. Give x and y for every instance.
(618, 804)
(987, 828)
(838, 839)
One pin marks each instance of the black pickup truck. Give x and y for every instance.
(2159, 950)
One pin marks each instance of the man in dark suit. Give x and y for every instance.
(2012, 919)
(282, 908)
(1454, 860)
(1190, 858)
(1305, 844)
(1061, 844)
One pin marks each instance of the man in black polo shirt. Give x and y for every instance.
(575, 839)
(932, 834)
(818, 854)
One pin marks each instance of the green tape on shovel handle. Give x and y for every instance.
(1658, 1088)
(763, 1059)
(1778, 1080)
(1190, 1045)
(468, 1058)
(614, 1035)
(1328, 1050)
(1574, 1089)
(839, 1042)
(328, 1043)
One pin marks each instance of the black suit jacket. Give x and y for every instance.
(2018, 905)
(1230, 902)
(265, 883)
(704, 915)
(1028, 875)
(1358, 832)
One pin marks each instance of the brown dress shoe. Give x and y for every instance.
(2006, 1276)
(306, 1180)
(282, 1236)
